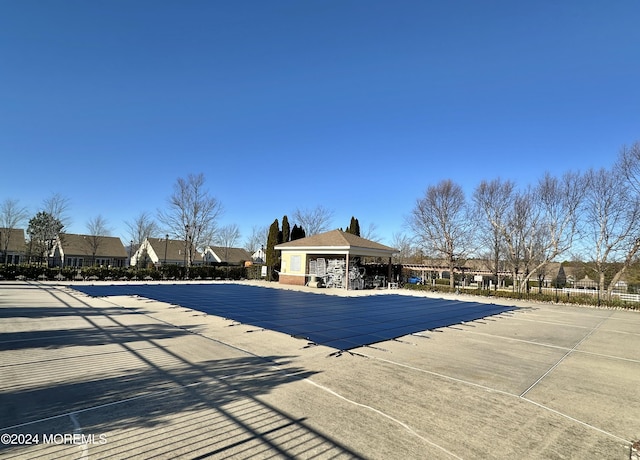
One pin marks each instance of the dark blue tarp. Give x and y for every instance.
(339, 322)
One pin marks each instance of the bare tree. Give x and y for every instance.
(629, 165)
(98, 229)
(535, 226)
(191, 214)
(492, 200)
(612, 214)
(558, 202)
(402, 243)
(257, 239)
(371, 233)
(98, 226)
(519, 233)
(440, 221)
(314, 221)
(142, 227)
(228, 236)
(58, 206)
(12, 216)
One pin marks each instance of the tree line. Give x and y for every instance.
(592, 216)
(191, 214)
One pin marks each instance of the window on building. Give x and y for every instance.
(296, 263)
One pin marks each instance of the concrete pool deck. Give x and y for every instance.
(126, 377)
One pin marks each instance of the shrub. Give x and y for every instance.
(560, 297)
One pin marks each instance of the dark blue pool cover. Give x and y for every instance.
(343, 323)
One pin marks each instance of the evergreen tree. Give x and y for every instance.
(272, 241)
(286, 230)
(297, 233)
(43, 230)
(354, 227)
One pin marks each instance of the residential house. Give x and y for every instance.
(259, 257)
(13, 246)
(71, 250)
(621, 287)
(163, 251)
(225, 256)
(586, 283)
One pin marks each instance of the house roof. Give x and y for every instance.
(230, 255)
(337, 241)
(17, 240)
(81, 245)
(586, 282)
(175, 248)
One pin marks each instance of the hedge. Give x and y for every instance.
(171, 272)
(565, 298)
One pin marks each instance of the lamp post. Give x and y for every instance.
(166, 242)
(186, 248)
(263, 261)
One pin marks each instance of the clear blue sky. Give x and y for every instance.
(354, 105)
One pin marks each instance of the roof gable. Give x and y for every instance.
(174, 249)
(229, 255)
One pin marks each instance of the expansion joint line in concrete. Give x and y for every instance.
(570, 351)
(74, 413)
(557, 347)
(383, 414)
(512, 395)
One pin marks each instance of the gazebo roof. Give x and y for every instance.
(338, 242)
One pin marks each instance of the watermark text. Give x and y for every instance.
(26, 439)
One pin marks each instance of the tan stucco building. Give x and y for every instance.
(331, 257)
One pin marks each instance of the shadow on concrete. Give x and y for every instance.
(166, 406)
(54, 312)
(58, 338)
(186, 387)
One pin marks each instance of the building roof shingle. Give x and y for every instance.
(338, 240)
(175, 249)
(81, 245)
(230, 255)
(17, 240)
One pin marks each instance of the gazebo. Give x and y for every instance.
(330, 258)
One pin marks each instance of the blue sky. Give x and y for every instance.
(357, 106)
